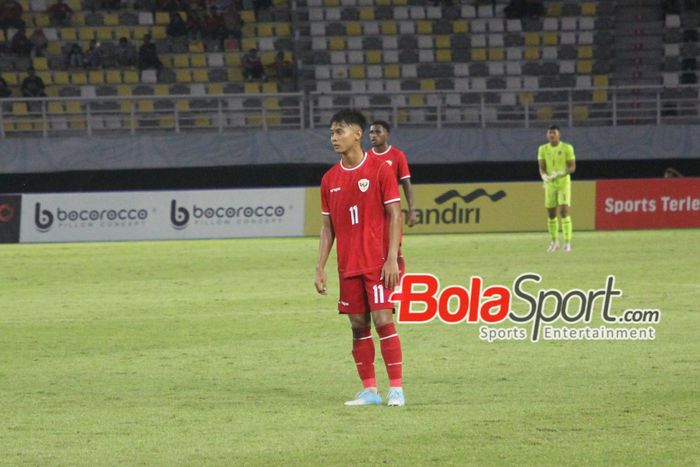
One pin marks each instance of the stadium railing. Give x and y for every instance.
(610, 106)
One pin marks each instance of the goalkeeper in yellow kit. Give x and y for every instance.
(557, 162)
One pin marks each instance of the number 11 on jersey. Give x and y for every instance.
(354, 215)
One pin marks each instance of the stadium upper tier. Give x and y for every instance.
(412, 62)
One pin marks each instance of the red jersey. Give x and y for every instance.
(355, 199)
(396, 159)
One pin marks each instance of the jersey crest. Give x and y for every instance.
(363, 184)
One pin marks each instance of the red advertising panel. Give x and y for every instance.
(648, 203)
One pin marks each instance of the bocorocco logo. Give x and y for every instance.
(44, 218)
(180, 216)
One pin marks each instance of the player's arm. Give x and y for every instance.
(390, 270)
(325, 244)
(543, 170)
(408, 193)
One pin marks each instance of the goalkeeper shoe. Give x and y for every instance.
(567, 247)
(554, 246)
(365, 397)
(395, 398)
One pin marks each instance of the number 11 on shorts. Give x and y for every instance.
(378, 293)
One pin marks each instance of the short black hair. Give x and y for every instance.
(383, 123)
(554, 127)
(350, 117)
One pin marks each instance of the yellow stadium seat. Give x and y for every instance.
(392, 71)
(86, 34)
(73, 107)
(353, 28)
(336, 43)
(110, 19)
(544, 113)
(61, 77)
(526, 98)
(248, 16)
(131, 76)
(46, 77)
(600, 81)
(20, 108)
(444, 55)
(584, 67)
(233, 58)
(123, 90)
(550, 38)
(113, 76)
(532, 39)
(139, 32)
(425, 27)
(69, 34)
(54, 48)
(585, 52)
(497, 54)
(427, 85)
(159, 32)
(96, 77)
(161, 89)
(460, 26)
(11, 78)
(103, 34)
(366, 13)
(532, 53)
(202, 122)
(40, 63)
(216, 88)
(247, 44)
(373, 56)
(162, 18)
(235, 74)
(75, 5)
(200, 75)
(42, 21)
(580, 112)
(55, 108)
(78, 19)
(588, 9)
(198, 60)
(442, 42)
(167, 121)
(182, 105)
(478, 55)
(269, 88)
(181, 61)
(271, 103)
(265, 30)
(144, 105)
(125, 106)
(357, 72)
(389, 28)
(251, 88)
(283, 30)
(416, 100)
(554, 10)
(183, 76)
(121, 32)
(79, 77)
(600, 95)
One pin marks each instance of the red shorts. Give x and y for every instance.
(364, 293)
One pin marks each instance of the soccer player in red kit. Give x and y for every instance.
(360, 204)
(379, 132)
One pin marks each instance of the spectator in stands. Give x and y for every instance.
(5, 90)
(283, 69)
(253, 67)
(519, 9)
(39, 42)
(11, 14)
(213, 26)
(671, 6)
(60, 13)
(125, 53)
(93, 56)
(172, 5)
(148, 55)
(233, 23)
(20, 44)
(75, 58)
(670, 172)
(32, 85)
(177, 27)
(194, 25)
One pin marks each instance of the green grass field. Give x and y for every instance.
(221, 353)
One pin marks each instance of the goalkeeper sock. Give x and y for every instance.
(553, 227)
(567, 228)
(363, 354)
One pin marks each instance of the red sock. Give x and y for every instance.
(391, 352)
(363, 353)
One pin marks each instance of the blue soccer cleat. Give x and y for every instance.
(395, 398)
(365, 397)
